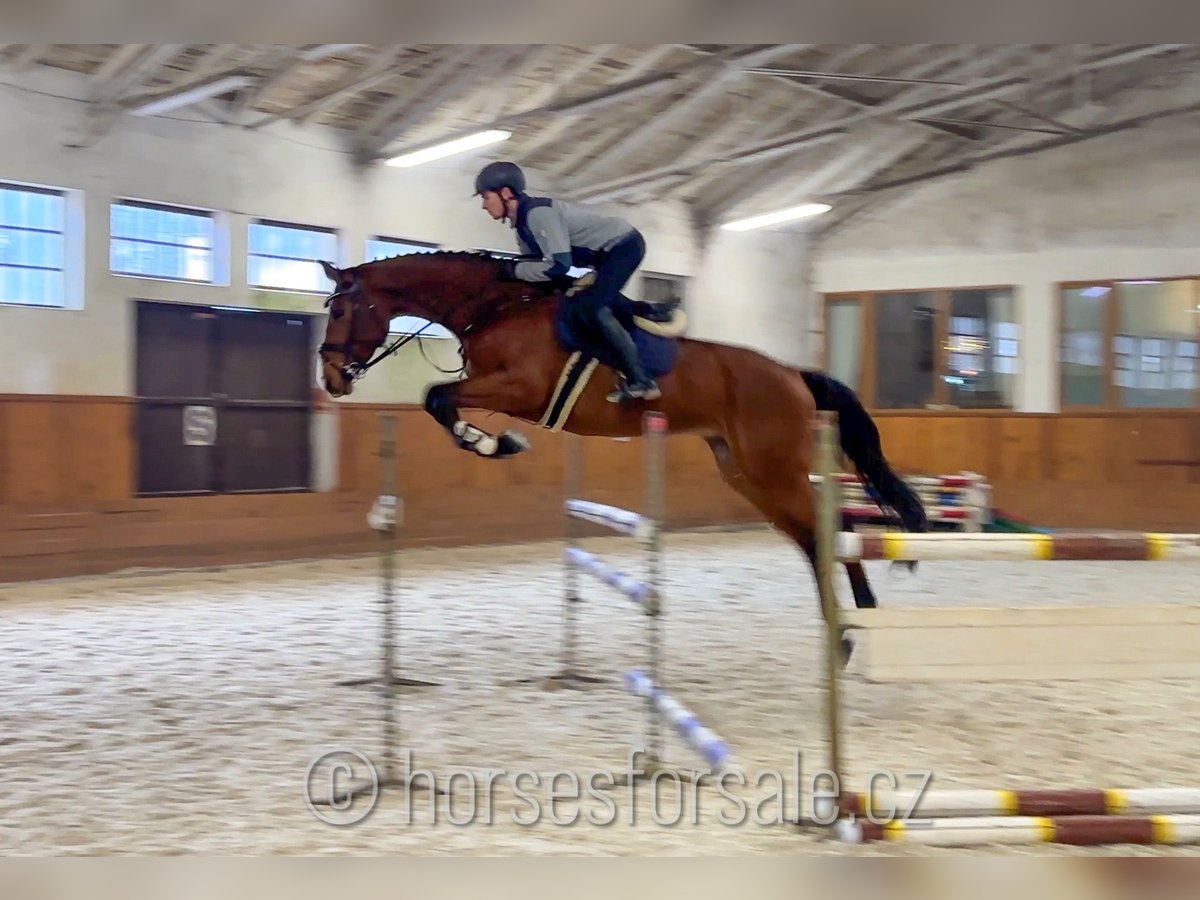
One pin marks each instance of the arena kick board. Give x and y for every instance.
(1025, 643)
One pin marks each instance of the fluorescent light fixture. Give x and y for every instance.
(187, 96)
(791, 214)
(449, 148)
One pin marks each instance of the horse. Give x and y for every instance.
(756, 414)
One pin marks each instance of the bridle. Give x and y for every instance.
(353, 370)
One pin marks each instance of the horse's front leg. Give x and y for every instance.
(498, 392)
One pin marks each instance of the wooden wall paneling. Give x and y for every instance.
(1147, 440)
(1080, 445)
(1193, 455)
(1021, 449)
(98, 450)
(35, 452)
(355, 440)
(904, 440)
(960, 443)
(7, 474)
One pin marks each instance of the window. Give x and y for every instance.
(285, 257)
(843, 342)
(1131, 344)
(657, 288)
(905, 340)
(384, 247)
(1081, 354)
(913, 349)
(1155, 345)
(982, 344)
(151, 240)
(33, 245)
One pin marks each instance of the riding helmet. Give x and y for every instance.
(497, 175)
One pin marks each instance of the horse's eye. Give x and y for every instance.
(336, 312)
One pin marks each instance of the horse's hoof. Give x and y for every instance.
(511, 443)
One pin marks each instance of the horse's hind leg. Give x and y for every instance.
(790, 508)
(732, 474)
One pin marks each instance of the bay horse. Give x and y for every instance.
(756, 414)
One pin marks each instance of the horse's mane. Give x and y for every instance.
(480, 255)
(509, 296)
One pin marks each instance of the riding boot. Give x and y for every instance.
(639, 385)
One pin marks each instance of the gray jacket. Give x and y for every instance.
(563, 235)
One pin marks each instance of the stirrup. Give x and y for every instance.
(647, 391)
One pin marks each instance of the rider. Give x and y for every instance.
(561, 235)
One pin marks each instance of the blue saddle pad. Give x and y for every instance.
(657, 352)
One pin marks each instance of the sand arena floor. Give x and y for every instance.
(178, 712)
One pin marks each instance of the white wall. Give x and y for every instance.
(746, 289)
(1122, 207)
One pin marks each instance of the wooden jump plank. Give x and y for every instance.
(1027, 643)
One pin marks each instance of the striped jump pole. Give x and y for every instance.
(643, 592)
(907, 804)
(1075, 546)
(1088, 831)
(969, 817)
(958, 502)
(701, 739)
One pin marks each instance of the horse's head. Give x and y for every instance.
(457, 289)
(359, 316)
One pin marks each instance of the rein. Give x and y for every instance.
(483, 317)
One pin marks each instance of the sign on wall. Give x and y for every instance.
(199, 426)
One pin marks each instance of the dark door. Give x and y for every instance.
(224, 399)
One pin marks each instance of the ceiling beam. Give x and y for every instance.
(859, 156)
(431, 67)
(583, 151)
(590, 102)
(729, 69)
(555, 129)
(789, 157)
(975, 160)
(104, 105)
(130, 77)
(526, 62)
(324, 51)
(901, 107)
(186, 94)
(971, 67)
(214, 58)
(862, 101)
(277, 65)
(378, 71)
(118, 60)
(753, 126)
(452, 77)
(27, 56)
(625, 185)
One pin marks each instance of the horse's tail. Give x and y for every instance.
(860, 442)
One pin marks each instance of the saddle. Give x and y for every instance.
(664, 319)
(654, 327)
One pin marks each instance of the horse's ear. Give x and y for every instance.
(332, 272)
